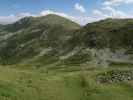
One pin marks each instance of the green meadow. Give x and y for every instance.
(38, 84)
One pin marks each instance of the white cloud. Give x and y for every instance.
(117, 2)
(109, 9)
(79, 8)
(109, 12)
(12, 18)
(47, 12)
(7, 19)
(97, 14)
(82, 20)
(115, 13)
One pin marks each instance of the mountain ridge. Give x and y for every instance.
(27, 34)
(52, 38)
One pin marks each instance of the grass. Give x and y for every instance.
(32, 84)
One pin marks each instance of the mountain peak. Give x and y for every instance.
(50, 20)
(54, 19)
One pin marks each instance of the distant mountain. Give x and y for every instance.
(109, 33)
(109, 41)
(53, 39)
(34, 36)
(49, 20)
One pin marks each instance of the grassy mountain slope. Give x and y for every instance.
(51, 20)
(104, 42)
(52, 38)
(30, 37)
(53, 58)
(109, 33)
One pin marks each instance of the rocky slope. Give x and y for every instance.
(110, 39)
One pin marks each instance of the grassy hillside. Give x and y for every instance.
(109, 33)
(32, 36)
(20, 84)
(53, 58)
(49, 20)
(51, 38)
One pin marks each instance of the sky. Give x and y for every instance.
(80, 11)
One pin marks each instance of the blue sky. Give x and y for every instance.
(35, 6)
(81, 11)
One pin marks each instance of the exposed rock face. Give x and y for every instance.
(115, 76)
